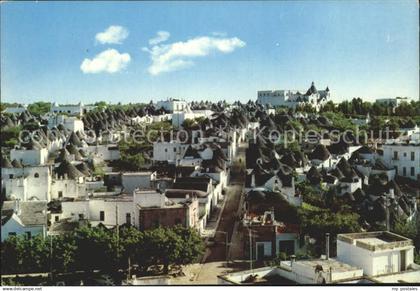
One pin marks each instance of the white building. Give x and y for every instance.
(377, 253)
(395, 102)
(292, 98)
(317, 271)
(132, 180)
(23, 218)
(367, 258)
(16, 110)
(147, 119)
(71, 109)
(108, 211)
(173, 105)
(405, 157)
(33, 157)
(62, 187)
(106, 152)
(168, 151)
(38, 183)
(179, 117)
(27, 183)
(111, 210)
(70, 123)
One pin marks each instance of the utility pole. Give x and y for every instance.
(116, 219)
(387, 212)
(118, 230)
(227, 249)
(51, 266)
(129, 268)
(250, 249)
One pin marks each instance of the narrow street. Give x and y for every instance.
(218, 251)
(214, 261)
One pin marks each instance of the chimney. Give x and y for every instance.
(327, 245)
(17, 207)
(253, 180)
(387, 205)
(391, 193)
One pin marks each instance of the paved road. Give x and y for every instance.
(217, 252)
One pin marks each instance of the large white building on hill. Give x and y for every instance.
(292, 98)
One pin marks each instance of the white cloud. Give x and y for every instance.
(108, 61)
(114, 35)
(161, 36)
(178, 55)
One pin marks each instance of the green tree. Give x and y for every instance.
(316, 222)
(162, 246)
(339, 121)
(9, 136)
(96, 249)
(63, 253)
(329, 106)
(39, 108)
(192, 246)
(12, 255)
(189, 124)
(131, 242)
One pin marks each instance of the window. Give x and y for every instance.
(56, 218)
(101, 215)
(166, 150)
(412, 156)
(405, 154)
(11, 176)
(177, 221)
(128, 218)
(36, 175)
(81, 216)
(412, 171)
(395, 155)
(174, 150)
(404, 171)
(28, 234)
(12, 233)
(60, 194)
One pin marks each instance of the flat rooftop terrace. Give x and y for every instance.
(375, 241)
(336, 266)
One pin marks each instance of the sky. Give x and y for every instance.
(140, 51)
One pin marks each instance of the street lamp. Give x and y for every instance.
(250, 248)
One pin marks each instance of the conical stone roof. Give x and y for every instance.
(67, 168)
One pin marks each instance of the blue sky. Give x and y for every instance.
(210, 50)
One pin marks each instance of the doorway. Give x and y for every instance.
(260, 251)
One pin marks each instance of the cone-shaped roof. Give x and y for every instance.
(84, 169)
(313, 175)
(68, 168)
(63, 155)
(74, 140)
(312, 89)
(74, 151)
(16, 164)
(320, 153)
(5, 163)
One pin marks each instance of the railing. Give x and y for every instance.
(391, 245)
